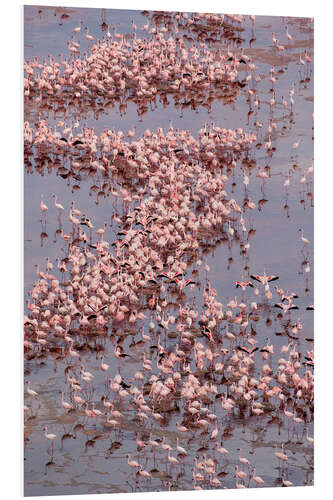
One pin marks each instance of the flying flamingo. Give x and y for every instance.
(286, 307)
(264, 279)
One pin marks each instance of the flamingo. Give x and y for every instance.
(144, 473)
(78, 399)
(288, 35)
(74, 220)
(180, 449)
(215, 432)
(166, 446)
(132, 463)
(131, 133)
(172, 460)
(263, 175)
(32, 393)
(90, 38)
(58, 206)
(239, 473)
(65, 405)
(304, 240)
(97, 412)
(43, 207)
(285, 307)
(257, 479)
(181, 428)
(222, 451)
(75, 211)
(50, 437)
(285, 482)
(231, 230)
(78, 28)
(88, 412)
(243, 460)
(296, 144)
(104, 366)
(264, 279)
(101, 231)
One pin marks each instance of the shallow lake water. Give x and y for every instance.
(89, 457)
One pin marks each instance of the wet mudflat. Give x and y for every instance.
(205, 374)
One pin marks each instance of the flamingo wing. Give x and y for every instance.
(101, 308)
(244, 349)
(163, 275)
(151, 281)
(256, 277)
(189, 282)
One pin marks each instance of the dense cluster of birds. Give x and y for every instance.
(195, 357)
(135, 68)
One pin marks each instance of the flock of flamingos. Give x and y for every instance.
(177, 365)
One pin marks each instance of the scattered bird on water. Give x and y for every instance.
(58, 206)
(257, 479)
(31, 392)
(43, 208)
(50, 437)
(305, 241)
